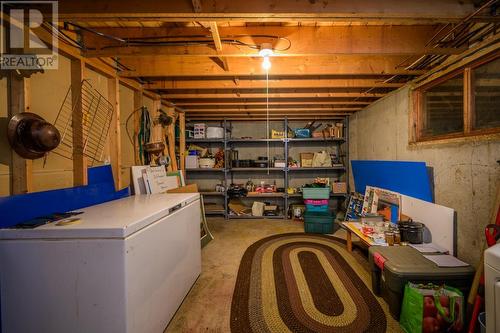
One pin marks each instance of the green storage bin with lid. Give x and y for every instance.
(319, 222)
(316, 192)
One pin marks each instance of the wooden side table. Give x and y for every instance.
(352, 228)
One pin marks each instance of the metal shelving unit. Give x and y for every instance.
(281, 173)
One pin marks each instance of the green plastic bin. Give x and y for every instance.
(316, 192)
(319, 222)
(318, 228)
(327, 216)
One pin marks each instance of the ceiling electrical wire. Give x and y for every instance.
(267, 120)
(198, 40)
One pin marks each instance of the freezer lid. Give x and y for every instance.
(492, 256)
(115, 219)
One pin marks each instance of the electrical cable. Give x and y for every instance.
(267, 120)
(156, 40)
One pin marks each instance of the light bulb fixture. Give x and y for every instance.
(266, 50)
(266, 63)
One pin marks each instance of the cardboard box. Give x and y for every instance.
(339, 187)
(306, 160)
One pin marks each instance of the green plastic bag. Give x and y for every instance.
(430, 308)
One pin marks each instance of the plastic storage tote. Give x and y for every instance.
(405, 264)
(319, 222)
(316, 208)
(316, 193)
(318, 228)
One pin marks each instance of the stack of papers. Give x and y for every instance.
(446, 260)
(429, 248)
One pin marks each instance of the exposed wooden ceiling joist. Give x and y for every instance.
(263, 95)
(164, 66)
(285, 99)
(261, 84)
(382, 11)
(274, 117)
(300, 41)
(258, 105)
(282, 110)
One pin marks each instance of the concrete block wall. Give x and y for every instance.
(466, 174)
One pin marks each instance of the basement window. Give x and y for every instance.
(443, 108)
(462, 103)
(486, 85)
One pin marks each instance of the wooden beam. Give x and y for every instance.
(289, 41)
(357, 11)
(218, 45)
(170, 132)
(260, 100)
(138, 103)
(193, 105)
(114, 132)
(21, 169)
(271, 95)
(174, 84)
(279, 117)
(164, 66)
(79, 160)
(264, 110)
(273, 91)
(182, 140)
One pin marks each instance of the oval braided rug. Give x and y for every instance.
(303, 283)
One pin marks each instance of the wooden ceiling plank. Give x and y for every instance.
(382, 11)
(264, 95)
(174, 84)
(164, 66)
(261, 105)
(304, 41)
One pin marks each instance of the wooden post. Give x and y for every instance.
(469, 103)
(138, 103)
(171, 139)
(79, 160)
(114, 132)
(182, 140)
(19, 101)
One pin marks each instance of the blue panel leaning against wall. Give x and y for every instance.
(408, 178)
(20, 208)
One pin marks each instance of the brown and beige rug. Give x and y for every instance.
(304, 283)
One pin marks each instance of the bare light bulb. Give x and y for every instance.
(266, 63)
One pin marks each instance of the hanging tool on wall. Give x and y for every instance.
(143, 134)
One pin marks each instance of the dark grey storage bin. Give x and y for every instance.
(405, 264)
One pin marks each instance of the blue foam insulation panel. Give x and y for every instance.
(408, 178)
(23, 207)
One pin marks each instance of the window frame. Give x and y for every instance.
(468, 103)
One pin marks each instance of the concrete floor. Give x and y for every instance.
(207, 307)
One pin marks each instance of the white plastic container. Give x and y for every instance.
(215, 133)
(191, 162)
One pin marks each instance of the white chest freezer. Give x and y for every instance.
(492, 288)
(125, 268)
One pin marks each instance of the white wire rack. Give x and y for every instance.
(95, 118)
